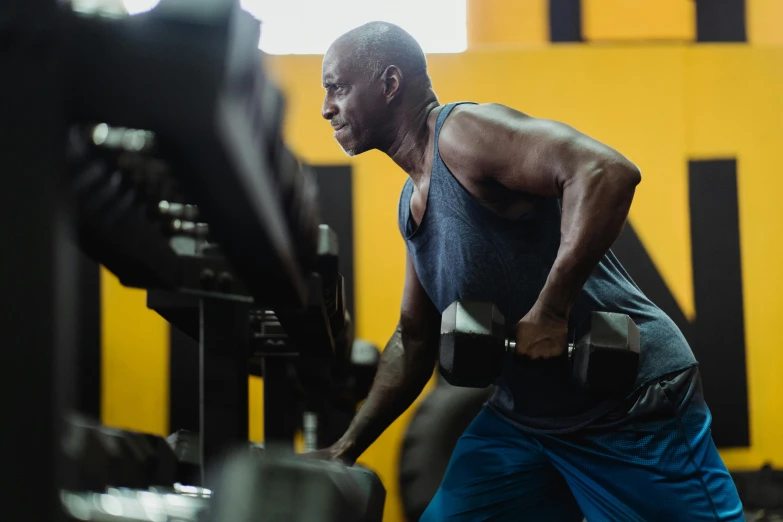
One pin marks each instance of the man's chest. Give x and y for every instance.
(501, 201)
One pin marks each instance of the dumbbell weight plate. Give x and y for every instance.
(472, 344)
(186, 448)
(289, 488)
(272, 110)
(606, 357)
(373, 494)
(309, 219)
(286, 172)
(104, 456)
(298, 190)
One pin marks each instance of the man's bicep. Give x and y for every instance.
(419, 318)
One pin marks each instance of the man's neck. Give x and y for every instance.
(409, 145)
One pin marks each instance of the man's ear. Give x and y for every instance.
(392, 82)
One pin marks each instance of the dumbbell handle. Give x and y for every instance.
(511, 346)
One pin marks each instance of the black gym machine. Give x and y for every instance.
(152, 143)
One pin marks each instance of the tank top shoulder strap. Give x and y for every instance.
(444, 113)
(439, 169)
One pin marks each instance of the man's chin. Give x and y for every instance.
(350, 150)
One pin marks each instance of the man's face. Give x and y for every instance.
(353, 104)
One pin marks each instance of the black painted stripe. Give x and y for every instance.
(565, 20)
(336, 200)
(717, 283)
(720, 21)
(335, 186)
(634, 257)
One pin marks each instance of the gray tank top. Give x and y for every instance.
(463, 250)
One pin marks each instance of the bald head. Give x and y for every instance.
(375, 46)
(375, 78)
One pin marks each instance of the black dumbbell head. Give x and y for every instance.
(272, 111)
(373, 493)
(606, 357)
(365, 357)
(472, 344)
(308, 219)
(104, 457)
(328, 255)
(286, 173)
(187, 450)
(340, 321)
(290, 488)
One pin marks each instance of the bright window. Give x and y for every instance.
(309, 26)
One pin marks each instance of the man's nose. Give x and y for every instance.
(328, 110)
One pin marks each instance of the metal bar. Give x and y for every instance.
(280, 405)
(223, 379)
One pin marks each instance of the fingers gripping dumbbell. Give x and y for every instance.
(473, 348)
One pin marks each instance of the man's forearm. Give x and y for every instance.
(405, 367)
(595, 207)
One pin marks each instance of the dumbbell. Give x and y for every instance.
(295, 489)
(365, 357)
(186, 447)
(298, 188)
(473, 348)
(102, 456)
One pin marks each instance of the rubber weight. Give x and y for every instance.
(606, 358)
(298, 189)
(472, 348)
(105, 457)
(373, 494)
(272, 111)
(309, 222)
(186, 447)
(365, 357)
(294, 489)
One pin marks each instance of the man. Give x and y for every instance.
(503, 207)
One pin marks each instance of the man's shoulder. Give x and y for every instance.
(471, 132)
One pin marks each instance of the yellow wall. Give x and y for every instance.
(765, 21)
(135, 360)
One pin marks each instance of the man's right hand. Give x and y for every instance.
(337, 452)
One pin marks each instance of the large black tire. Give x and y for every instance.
(437, 424)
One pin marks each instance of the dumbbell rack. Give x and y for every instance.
(39, 227)
(230, 331)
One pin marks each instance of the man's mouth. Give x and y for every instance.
(338, 126)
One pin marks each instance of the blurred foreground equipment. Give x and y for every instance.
(153, 143)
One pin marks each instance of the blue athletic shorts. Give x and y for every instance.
(666, 470)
